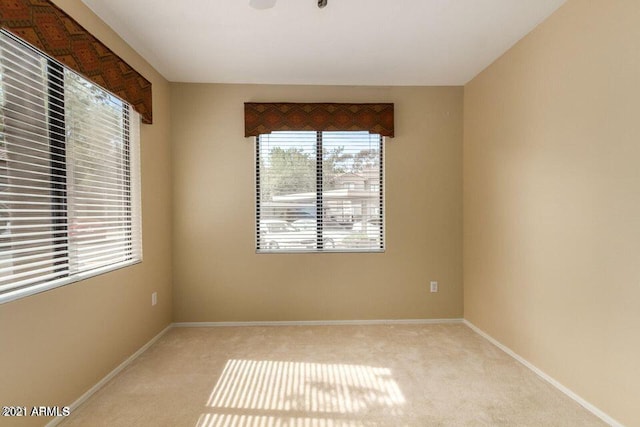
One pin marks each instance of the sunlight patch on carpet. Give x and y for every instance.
(278, 393)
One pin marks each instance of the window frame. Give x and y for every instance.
(58, 183)
(319, 204)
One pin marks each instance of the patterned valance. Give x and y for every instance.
(262, 117)
(48, 28)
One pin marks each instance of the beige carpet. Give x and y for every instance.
(322, 376)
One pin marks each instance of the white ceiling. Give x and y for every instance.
(349, 42)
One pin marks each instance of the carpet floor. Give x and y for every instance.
(327, 376)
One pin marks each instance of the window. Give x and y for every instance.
(311, 192)
(69, 175)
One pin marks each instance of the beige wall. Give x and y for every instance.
(219, 277)
(552, 201)
(55, 345)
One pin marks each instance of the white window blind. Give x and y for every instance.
(69, 175)
(319, 192)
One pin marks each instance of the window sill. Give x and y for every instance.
(53, 284)
(328, 251)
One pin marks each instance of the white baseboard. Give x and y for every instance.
(316, 323)
(588, 406)
(107, 378)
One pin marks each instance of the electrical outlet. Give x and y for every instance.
(434, 286)
(154, 298)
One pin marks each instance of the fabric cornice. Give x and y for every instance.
(266, 117)
(48, 28)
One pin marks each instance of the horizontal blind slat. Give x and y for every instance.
(22, 266)
(18, 260)
(23, 283)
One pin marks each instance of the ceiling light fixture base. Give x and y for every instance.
(262, 4)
